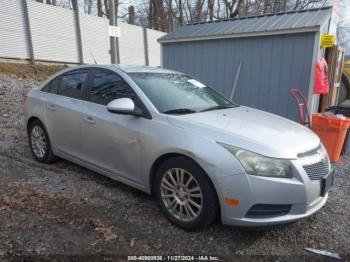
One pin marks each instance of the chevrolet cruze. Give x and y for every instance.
(163, 132)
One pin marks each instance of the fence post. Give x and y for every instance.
(145, 45)
(28, 32)
(78, 31)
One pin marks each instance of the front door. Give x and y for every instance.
(111, 141)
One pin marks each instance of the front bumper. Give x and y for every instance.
(257, 222)
(302, 194)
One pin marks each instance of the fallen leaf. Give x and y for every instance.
(107, 233)
(40, 249)
(132, 242)
(96, 242)
(3, 208)
(95, 222)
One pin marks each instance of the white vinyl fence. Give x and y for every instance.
(36, 31)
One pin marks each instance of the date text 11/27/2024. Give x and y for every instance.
(173, 258)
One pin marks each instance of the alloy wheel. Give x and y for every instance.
(181, 194)
(38, 141)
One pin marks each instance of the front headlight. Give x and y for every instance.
(259, 165)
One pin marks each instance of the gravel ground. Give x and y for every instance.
(64, 212)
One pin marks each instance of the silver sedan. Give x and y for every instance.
(201, 156)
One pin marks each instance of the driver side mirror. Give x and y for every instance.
(122, 106)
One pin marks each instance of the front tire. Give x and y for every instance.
(39, 143)
(185, 194)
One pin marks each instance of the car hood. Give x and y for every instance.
(250, 129)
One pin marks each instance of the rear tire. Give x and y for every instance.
(39, 143)
(185, 194)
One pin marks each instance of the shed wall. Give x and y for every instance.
(270, 66)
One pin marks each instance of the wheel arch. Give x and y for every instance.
(31, 120)
(36, 118)
(161, 159)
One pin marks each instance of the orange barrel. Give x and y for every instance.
(332, 132)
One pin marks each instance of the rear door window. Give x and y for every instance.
(73, 84)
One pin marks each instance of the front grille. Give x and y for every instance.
(265, 211)
(315, 163)
(318, 170)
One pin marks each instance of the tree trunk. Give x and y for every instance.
(181, 14)
(211, 9)
(238, 7)
(106, 3)
(99, 8)
(131, 19)
(150, 15)
(170, 16)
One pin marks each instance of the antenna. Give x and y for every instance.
(93, 57)
(236, 80)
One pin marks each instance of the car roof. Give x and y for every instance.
(127, 68)
(142, 69)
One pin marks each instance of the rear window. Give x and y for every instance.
(55, 84)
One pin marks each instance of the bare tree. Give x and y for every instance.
(106, 3)
(99, 8)
(211, 9)
(165, 15)
(159, 15)
(88, 5)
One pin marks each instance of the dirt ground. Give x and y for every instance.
(63, 212)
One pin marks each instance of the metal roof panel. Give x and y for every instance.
(290, 20)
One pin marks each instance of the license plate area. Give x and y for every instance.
(326, 182)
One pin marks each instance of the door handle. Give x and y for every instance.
(89, 120)
(51, 107)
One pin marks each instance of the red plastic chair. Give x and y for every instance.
(302, 106)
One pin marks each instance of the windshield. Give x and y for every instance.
(179, 94)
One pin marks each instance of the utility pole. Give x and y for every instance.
(117, 40)
(28, 32)
(115, 58)
(112, 22)
(78, 31)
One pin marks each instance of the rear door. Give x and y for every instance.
(64, 111)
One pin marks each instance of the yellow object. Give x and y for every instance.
(327, 40)
(347, 67)
(231, 201)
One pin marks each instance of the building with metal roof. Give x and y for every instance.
(254, 59)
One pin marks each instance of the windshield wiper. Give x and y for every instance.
(180, 111)
(218, 107)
